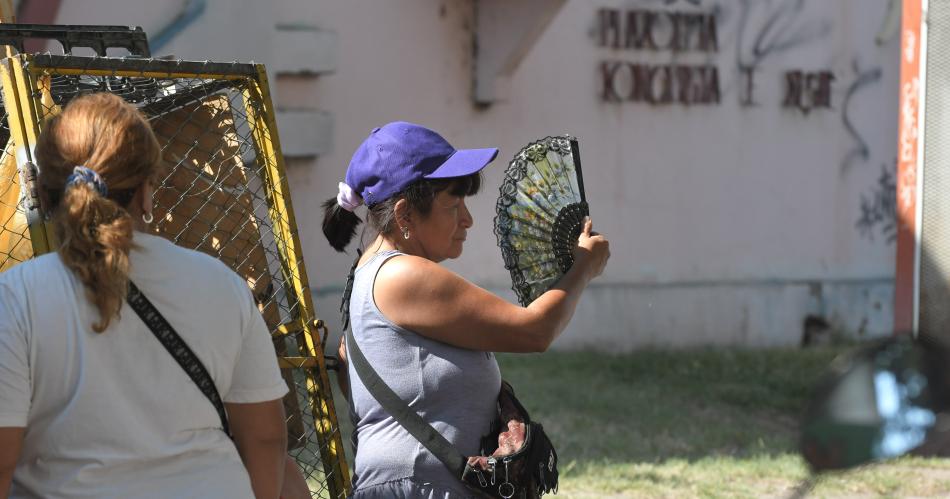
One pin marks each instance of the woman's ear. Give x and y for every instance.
(401, 211)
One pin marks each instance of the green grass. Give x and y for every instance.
(707, 423)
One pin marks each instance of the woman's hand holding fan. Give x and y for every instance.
(592, 250)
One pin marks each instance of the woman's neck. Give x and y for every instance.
(382, 243)
(385, 243)
(388, 243)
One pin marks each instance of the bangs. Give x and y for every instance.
(421, 194)
(466, 186)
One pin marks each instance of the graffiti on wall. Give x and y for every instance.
(860, 151)
(765, 35)
(665, 84)
(770, 28)
(669, 31)
(808, 90)
(879, 208)
(643, 29)
(664, 28)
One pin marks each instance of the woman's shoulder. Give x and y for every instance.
(159, 257)
(407, 280)
(405, 270)
(32, 280)
(157, 248)
(39, 269)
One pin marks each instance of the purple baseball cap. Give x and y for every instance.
(400, 153)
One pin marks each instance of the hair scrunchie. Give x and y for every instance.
(347, 198)
(85, 175)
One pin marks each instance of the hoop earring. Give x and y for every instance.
(147, 218)
(405, 233)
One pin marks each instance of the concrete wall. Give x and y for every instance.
(220, 30)
(729, 223)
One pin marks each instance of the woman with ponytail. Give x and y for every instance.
(92, 405)
(429, 333)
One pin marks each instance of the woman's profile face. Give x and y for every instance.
(441, 234)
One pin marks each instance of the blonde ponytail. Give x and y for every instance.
(108, 136)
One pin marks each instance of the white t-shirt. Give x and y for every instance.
(112, 414)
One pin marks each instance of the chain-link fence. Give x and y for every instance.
(221, 190)
(15, 244)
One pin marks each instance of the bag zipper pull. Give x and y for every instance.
(506, 489)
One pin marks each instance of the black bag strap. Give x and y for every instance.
(402, 413)
(180, 350)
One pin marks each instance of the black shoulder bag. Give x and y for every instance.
(509, 465)
(180, 350)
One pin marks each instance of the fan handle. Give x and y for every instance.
(576, 155)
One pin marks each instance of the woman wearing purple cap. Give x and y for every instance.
(428, 332)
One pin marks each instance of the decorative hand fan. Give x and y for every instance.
(539, 214)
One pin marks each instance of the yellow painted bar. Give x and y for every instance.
(297, 362)
(264, 131)
(31, 92)
(44, 84)
(7, 12)
(283, 218)
(28, 101)
(23, 123)
(287, 329)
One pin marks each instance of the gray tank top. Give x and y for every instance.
(453, 389)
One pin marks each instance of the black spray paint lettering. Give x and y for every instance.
(639, 29)
(879, 210)
(783, 29)
(860, 151)
(808, 91)
(659, 84)
(747, 93)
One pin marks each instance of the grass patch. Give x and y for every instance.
(705, 423)
(653, 406)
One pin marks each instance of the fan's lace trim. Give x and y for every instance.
(517, 170)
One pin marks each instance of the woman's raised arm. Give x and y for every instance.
(425, 297)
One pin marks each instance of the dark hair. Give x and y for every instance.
(339, 225)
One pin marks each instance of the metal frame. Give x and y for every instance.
(98, 38)
(22, 78)
(24, 128)
(910, 169)
(264, 129)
